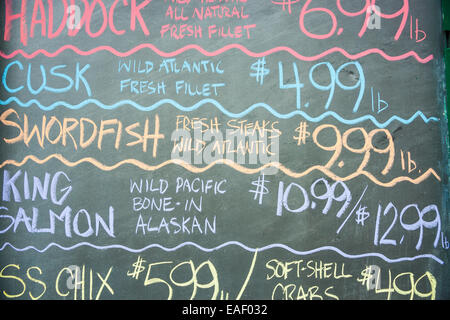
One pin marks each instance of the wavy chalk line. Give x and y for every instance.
(232, 164)
(220, 107)
(226, 244)
(217, 52)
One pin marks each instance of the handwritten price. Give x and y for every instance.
(177, 277)
(359, 85)
(322, 194)
(369, 9)
(342, 141)
(396, 285)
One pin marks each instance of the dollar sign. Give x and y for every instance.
(370, 277)
(362, 215)
(138, 268)
(302, 133)
(260, 70)
(261, 189)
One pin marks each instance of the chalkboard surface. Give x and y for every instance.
(206, 149)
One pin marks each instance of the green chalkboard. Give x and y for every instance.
(285, 150)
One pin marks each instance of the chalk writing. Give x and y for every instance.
(222, 150)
